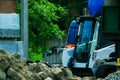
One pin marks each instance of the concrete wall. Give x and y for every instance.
(58, 42)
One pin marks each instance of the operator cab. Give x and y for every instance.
(85, 37)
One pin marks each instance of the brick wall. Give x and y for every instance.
(7, 6)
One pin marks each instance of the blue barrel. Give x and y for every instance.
(95, 7)
(72, 33)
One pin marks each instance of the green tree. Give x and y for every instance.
(43, 25)
(75, 7)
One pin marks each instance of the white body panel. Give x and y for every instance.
(67, 54)
(104, 52)
(99, 56)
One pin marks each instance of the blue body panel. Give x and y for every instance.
(72, 33)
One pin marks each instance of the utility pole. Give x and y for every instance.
(24, 26)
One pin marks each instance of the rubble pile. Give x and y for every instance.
(12, 67)
(113, 76)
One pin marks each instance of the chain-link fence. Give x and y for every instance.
(7, 6)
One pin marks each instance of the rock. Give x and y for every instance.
(37, 77)
(48, 78)
(58, 73)
(43, 75)
(67, 71)
(3, 51)
(75, 78)
(13, 74)
(4, 64)
(86, 78)
(2, 75)
(16, 55)
(99, 79)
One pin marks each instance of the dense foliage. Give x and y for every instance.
(43, 19)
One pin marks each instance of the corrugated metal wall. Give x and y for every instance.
(54, 57)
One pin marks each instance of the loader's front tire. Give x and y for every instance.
(105, 70)
(71, 62)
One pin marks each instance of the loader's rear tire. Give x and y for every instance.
(105, 70)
